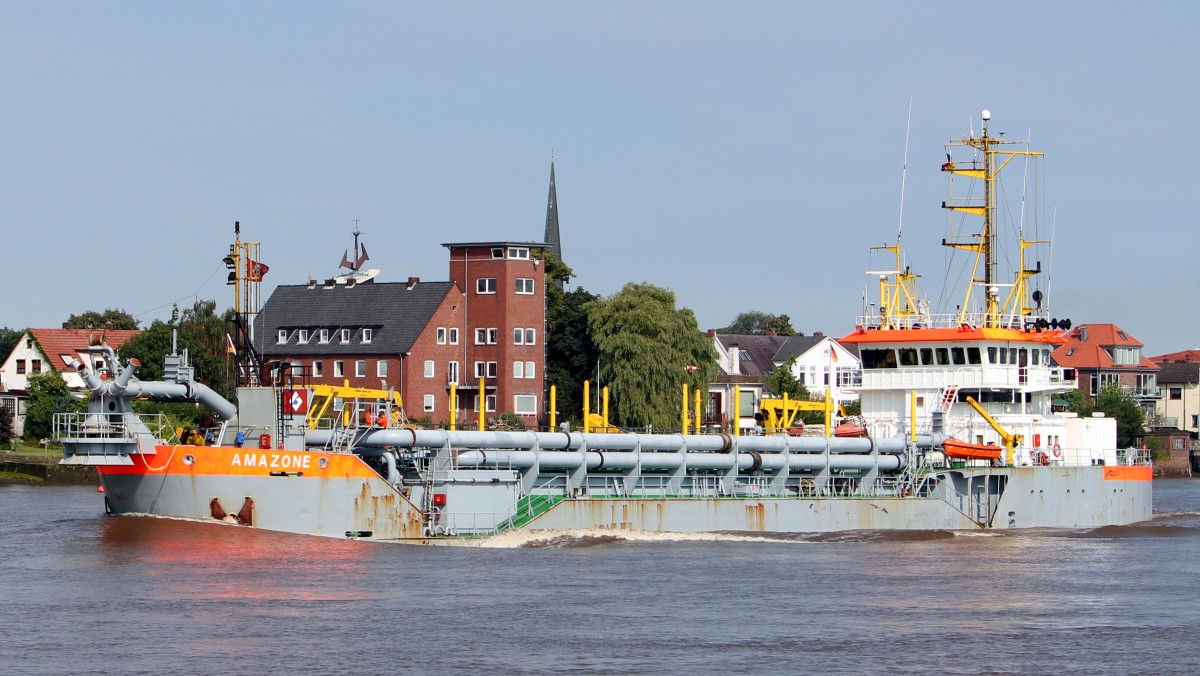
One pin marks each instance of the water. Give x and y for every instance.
(88, 593)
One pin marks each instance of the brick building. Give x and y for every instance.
(417, 337)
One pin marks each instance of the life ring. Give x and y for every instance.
(1057, 451)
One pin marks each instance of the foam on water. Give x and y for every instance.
(562, 538)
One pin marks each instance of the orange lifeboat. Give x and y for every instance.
(962, 450)
(850, 429)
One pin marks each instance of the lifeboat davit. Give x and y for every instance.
(962, 450)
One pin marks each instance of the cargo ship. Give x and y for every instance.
(958, 431)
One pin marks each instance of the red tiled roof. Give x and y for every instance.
(1091, 353)
(1182, 357)
(56, 342)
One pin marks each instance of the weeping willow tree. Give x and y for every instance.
(648, 349)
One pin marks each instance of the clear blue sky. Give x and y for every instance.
(744, 155)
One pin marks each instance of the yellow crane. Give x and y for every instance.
(1009, 439)
(779, 415)
(372, 402)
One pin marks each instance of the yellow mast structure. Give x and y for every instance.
(995, 159)
(897, 291)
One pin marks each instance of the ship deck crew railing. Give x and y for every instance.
(981, 376)
(925, 320)
(83, 427)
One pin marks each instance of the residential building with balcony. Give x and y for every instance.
(1105, 354)
(1178, 405)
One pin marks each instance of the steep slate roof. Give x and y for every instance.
(395, 313)
(1177, 373)
(56, 342)
(795, 346)
(755, 352)
(1091, 354)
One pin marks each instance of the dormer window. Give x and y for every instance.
(518, 252)
(302, 336)
(282, 337)
(324, 336)
(366, 336)
(344, 336)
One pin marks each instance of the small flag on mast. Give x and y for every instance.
(229, 348)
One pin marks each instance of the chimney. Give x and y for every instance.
(413, 281)
(712, 333)
(66, 325)
(771, 333)
(735, 360)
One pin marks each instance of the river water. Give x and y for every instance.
(140, 595)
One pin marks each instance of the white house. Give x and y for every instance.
(40, 350)
(821, 364)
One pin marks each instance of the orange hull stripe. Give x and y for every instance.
(1128, 473)
(228, 461)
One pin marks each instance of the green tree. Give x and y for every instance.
(570, 351)
(48, 394)
(648, 350)
(6, 424)
(8, 340)
(759, 323)
(97, 320)
(781, 381)
(1115, 403)
(201, 331)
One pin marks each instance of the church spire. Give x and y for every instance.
(552, 235)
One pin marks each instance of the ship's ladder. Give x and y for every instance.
(949, 394)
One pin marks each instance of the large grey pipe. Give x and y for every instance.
(127, 387)
(559, 441)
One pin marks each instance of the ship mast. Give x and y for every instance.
(995, 159)
(245, 273)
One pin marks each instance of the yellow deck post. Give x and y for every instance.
(587, 398)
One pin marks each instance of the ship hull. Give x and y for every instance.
(346, 498)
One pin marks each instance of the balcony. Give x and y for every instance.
(1141, 392)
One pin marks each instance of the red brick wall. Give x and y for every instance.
(504, 310)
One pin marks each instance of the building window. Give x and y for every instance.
(1176, 393)
(35, 365)
(360, 368)
(339, 368)
(485, 285)
(518, 252)
(480, 336)
(529, 369)
(530, 336)
(317, 369)
(525, 404)
(324, 336)
(452, 372)
(381, 368)
(302, 336)
(20, 367)
(498, 252)
(344, 336)
(297, 369)
(524, 285)
(491, 369)
(281, 337)
(518, 369)
(429, 403)
(493, 336)
(524, 336)
(441, 336)
(366, 336)
(428, 368)
(454, 336)
(479, 369)
(489, 402)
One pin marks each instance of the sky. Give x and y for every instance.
(744, 155)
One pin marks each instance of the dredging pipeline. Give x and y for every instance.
(600, 452)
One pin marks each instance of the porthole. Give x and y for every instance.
(189, 459)
(323, 463)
